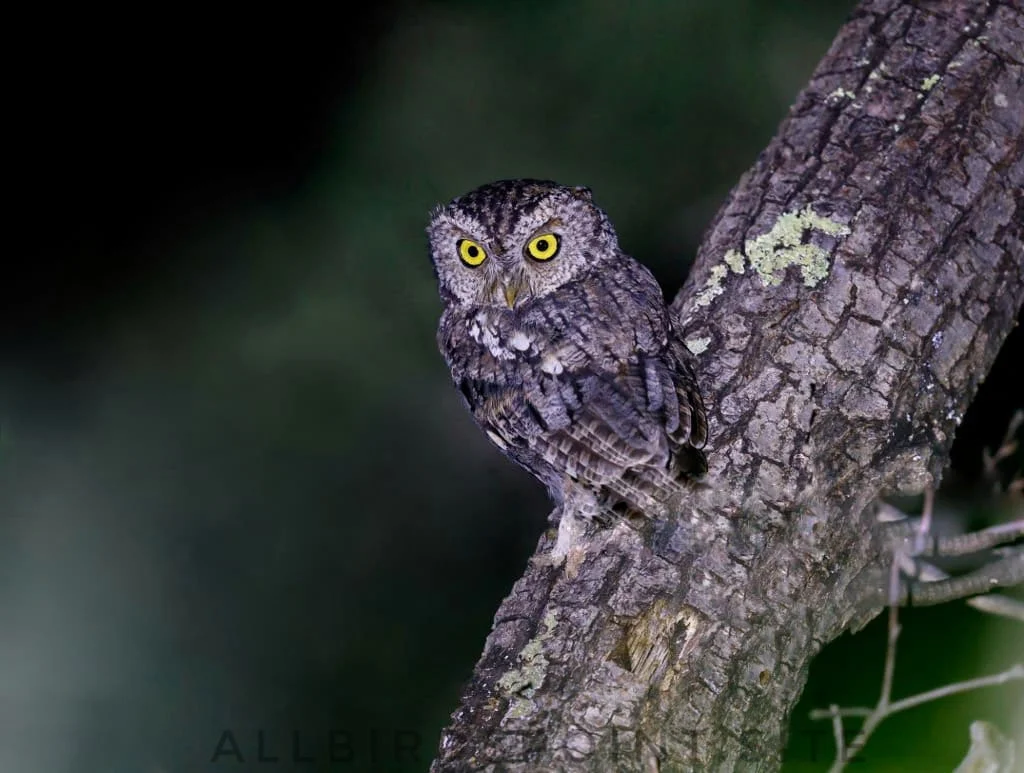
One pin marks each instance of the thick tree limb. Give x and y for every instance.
(846, 302)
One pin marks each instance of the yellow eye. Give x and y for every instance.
(543, 247)
(470, 252)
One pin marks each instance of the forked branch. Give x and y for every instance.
(872, 717)
(846, 301)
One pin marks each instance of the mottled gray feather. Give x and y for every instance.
(580, 382)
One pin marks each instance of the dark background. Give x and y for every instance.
(236, 489)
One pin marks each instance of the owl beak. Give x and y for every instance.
(511, 291)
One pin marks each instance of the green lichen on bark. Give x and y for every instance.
(734, 261)
(713, 288)
(770, 254)
(526, 679)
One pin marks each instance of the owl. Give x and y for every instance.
(560, 345)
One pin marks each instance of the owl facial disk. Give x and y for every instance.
(507, 243)
(473, 254)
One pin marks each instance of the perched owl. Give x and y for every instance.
(560, 344)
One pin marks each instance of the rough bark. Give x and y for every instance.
(845, 303)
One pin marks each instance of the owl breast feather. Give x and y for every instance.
(597, 402)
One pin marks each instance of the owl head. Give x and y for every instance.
(512, 241)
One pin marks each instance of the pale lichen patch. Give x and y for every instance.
(771, 253)
(734, 261)
(713, 287)
(520, 708)
(841, 93)
(929, 83)
(528, 678)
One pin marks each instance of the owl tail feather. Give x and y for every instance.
(657, 492)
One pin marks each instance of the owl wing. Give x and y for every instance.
(616, 402)
(655, 370)
(693, 419)
(595, 426)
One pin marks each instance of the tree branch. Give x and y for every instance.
(992, 603)
(845, 303)
(1002, 573)
(947, 546)
(885, 707)
(1014, 672)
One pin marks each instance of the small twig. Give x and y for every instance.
(1006, 449)
(976, 541)
(852, 711)
(936, 586)
(886, 707)
(925, 527)
(886, 513)
(992, 461)
(881, 711)
(1003, 573)
(913, 540)
(837, 731)
(893, 637)
(997, 604)
(951, 545)
(1013, 673)
(992, 603)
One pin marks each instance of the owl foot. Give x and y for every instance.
(570, 543)
(570, 530)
